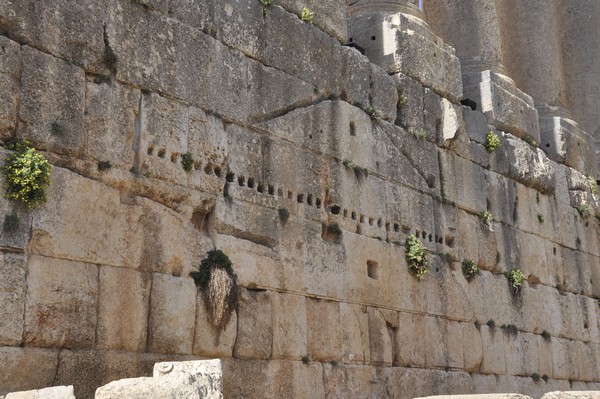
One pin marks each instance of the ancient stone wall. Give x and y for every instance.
(312, 164)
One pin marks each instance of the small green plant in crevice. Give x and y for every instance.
(545, 377)
(416, 256)
(540, 218)
(402, 101)
(584, 210)
(11, 222)
(27, 174)
(486, 217)
(531, 141)
(266, 4)
(492, 141)
(373, 113)
(491, 323)
(104, 165)
(57, 129)
(359, 171)
(536, 377)
(307, 15)
(421, 133)
(510, 328)
(333, 363)
(187, 161)
(284, 215)
(546, 335)
(469, 269)
(305, 359)
(218, 282)
(515, 279)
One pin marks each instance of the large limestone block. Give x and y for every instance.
(46, 393)
(208, 340)
(352, 381)
(480, 396)
(330, 16)
(52, 103)
(260, 379)
(504, 105)
(572, 395)
(529, 165)
(464, 181)
(109, 122)
(381, 338)
(194, 379)
(255, 325)
(355, 333)
(494, 360)
(410, 103)
(172, 314)
(13, 288)
(172, 243)
(123, 302)
(324, 330)
(478, 241)
(71, 30)
(26, 368)
(410, 340)
(472, 347)
(289, 326)
(566, 143)
(503, 310)
(403, 43)
(61, 303)
(10, 71)
(67, 228)
(87, 370)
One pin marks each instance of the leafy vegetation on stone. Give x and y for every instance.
(218, 282)
(492, 141)
(584, 210)
(402, 101)
(515, 279)
(187, 161)
(307, 15)
(27, 174)
(486, 217)
(416, 256)
(104, 165)
(469, 269)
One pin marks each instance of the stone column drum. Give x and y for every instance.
(473, 28)
(395, 36)
(535, 61)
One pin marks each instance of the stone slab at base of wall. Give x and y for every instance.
(46, 393)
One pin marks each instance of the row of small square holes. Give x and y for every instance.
(162, 152)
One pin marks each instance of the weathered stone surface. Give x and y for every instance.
(199, 379)
(46, 393)
(323, 316)
(10, 72)
(402, 43)
(329, 17)
(255, 325)
(208, 340)
(109, 123)
(289, 326)
(381, 338)
(172, 314)
(355, 334)
(504, 106)
(572, 395)
(52, 103)
(529, 165)
(480, 396)
(87, 370)
(26, 368)
(13, 288)
(61, 303)
(255, 379)
(123, 301)
(564, 142)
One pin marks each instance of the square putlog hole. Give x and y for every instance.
(373, 269)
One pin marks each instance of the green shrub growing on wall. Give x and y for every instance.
(27, 174)
(515, 279)
(187, 161)
(218, 282)
(416, 256)
(469, 269)
(307, 15)
(492, 141)
(584, 210)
